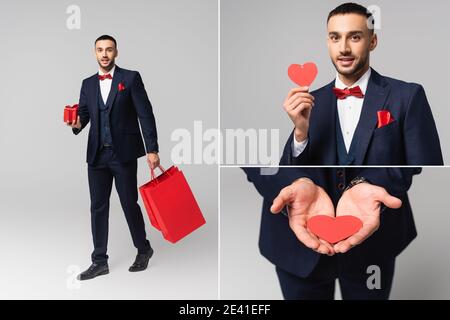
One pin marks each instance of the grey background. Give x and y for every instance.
(422, 270)
(44, 205)
(260, 39)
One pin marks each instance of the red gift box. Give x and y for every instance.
(70, 113)
(171, 205)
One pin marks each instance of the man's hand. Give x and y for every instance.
(363, 201)
(304, 200)
(153, 160)
(298, 104)
(75, 124)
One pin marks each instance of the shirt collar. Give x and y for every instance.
(362, 82)
(111, 72)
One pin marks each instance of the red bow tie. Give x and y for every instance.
(344, 93)
(105, 76)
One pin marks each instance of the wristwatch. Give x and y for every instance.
(355, 182)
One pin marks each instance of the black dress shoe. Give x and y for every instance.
(141, 261)
(93, 271)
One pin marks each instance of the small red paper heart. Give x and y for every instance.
(303, 75)
(333, 229)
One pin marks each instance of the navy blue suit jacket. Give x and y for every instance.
(412, 139)
(127, 106)
(278, 242)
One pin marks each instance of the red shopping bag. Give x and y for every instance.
(170, 204)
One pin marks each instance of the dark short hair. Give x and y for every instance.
(350, 7)
(106, 37)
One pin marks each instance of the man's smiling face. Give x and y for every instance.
(106, 53)
(349, 43)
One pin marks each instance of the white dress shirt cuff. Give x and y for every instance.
(298, 147)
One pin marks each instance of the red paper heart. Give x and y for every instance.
(303, 75)
(333, 229)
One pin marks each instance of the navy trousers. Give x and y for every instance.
(352, 275)
(101, 174)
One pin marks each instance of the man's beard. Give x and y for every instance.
(356, 69)
(109, 66)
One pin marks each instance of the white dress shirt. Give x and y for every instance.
(349, 111)
(105, 85)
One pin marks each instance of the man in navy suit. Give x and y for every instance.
(307, 266)
(361, 117)
(113, 100)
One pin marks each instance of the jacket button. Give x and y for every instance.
(340, 173)
(341, 186)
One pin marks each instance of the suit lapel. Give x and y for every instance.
(375, 97)
(114, 88)
(94, 96)
(326, 128)
(331, 123)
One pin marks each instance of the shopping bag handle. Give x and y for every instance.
(152, 172)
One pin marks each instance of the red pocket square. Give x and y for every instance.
(384, 118)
